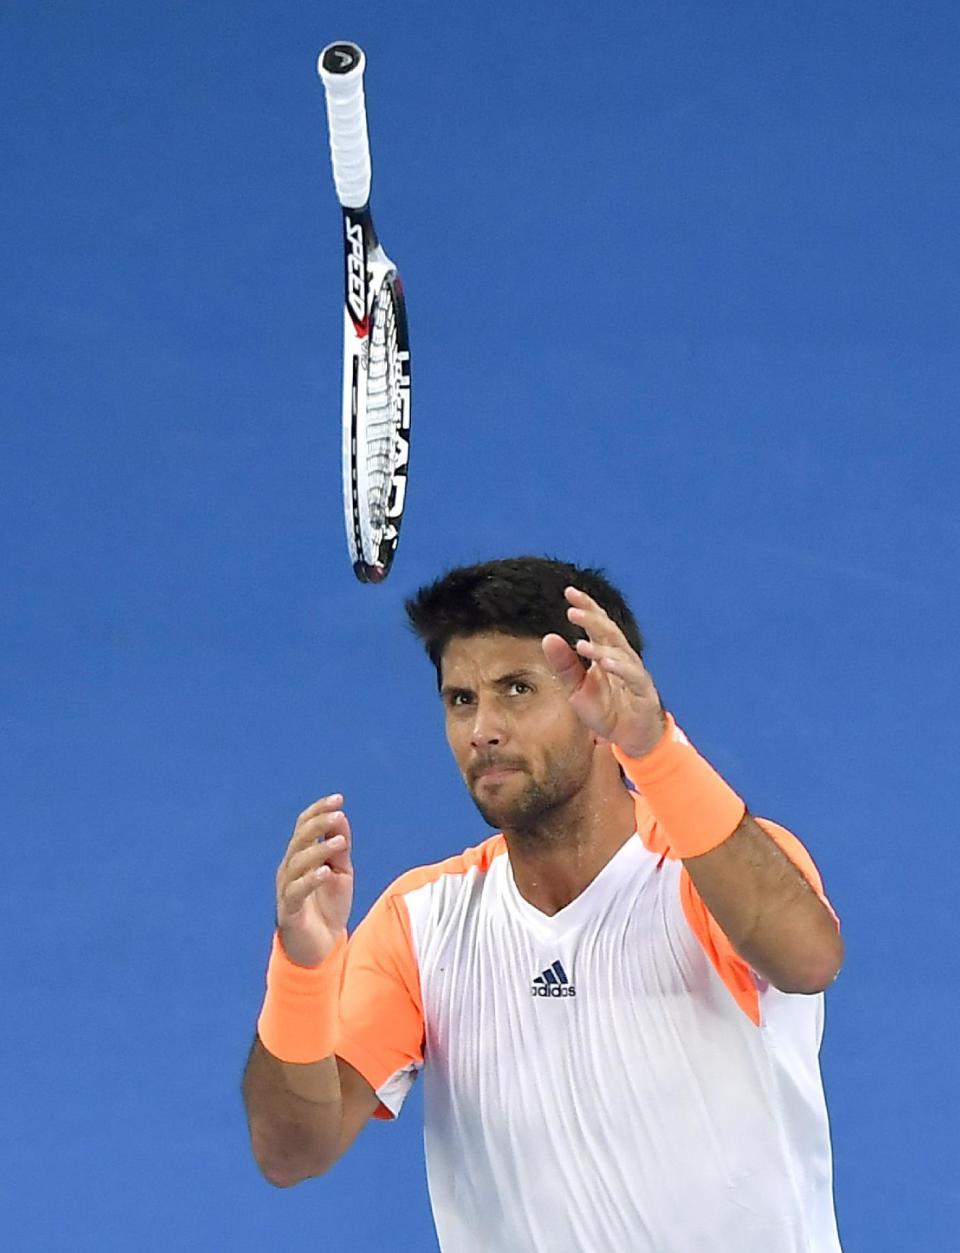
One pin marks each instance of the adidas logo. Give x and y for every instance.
(553, 982)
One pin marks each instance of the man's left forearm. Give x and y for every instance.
(764, 903)
(768, 910)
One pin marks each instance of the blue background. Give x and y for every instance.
(683, 288)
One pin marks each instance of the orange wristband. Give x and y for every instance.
(298, 1021)
(695, 807)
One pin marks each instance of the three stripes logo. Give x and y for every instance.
(553, 983)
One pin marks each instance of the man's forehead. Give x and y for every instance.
(489, 654)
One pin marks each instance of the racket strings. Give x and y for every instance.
(383, 407)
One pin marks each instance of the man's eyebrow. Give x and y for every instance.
(451, 689)
(515, 676)
(522, 675)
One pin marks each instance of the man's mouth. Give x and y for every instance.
(495, 773)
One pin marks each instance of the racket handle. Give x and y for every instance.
(340, 66)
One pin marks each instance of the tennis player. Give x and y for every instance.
(616, 1001)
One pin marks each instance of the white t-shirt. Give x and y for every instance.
(609, 1079)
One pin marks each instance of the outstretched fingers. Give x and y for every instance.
(585, 613)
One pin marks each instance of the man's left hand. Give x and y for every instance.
(615, 697)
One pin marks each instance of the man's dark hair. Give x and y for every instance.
(520, 596)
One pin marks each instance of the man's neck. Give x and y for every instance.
(553, 864)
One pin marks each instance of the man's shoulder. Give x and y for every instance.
(479, 858)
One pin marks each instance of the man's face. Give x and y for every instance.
(521, 749)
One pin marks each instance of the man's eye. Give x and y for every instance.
(459, 698)
(519, 688)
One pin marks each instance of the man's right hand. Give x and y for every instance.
(315, 883)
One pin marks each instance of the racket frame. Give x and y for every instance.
(367, 274)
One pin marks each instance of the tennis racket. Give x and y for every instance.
(376, 348)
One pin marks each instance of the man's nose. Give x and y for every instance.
(488, 726)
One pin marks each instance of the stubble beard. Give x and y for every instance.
(536, 814)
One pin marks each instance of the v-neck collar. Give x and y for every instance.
(597, 892)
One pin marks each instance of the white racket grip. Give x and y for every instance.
(347, 122)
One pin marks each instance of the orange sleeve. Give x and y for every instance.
(729, 965)
(380, 1031)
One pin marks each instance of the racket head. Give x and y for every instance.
(376, 401)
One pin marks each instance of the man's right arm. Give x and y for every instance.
(302, 1117)
(305, 1106)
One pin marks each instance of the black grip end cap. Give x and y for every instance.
(341, 58)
